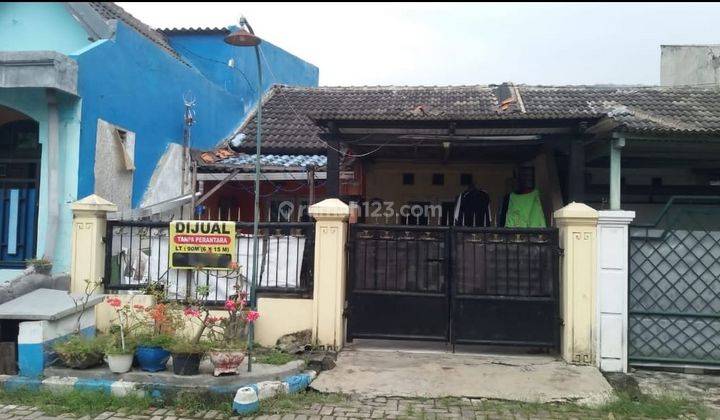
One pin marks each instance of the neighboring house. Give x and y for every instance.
(652, 150)
(521, 123)
(92, 100)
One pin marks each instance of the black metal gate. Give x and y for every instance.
(674, 282)
(461, 285)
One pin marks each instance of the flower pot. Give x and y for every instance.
(226, 361)
(81, 361)
(119, 363)
(186, 363)
(152, 359)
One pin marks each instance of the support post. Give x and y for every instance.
(332, 184)
(576, 171)
(616, 145)
(613, 289)
(578, 225)
(88, 246)
(329, 272)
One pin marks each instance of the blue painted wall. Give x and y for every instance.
(133, 83)
(142, 91)
(39, 26)
(210, 54)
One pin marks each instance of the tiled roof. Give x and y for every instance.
(110, 10)
(269, 162)
(288, 111)
(206, 30)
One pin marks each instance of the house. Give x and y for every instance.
(643, 155)
(92, 100)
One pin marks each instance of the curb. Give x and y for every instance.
(246, 400)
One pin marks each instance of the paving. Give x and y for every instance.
(696, 387)
(354, 408)
(527, 378)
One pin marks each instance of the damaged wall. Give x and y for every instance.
(113, 178)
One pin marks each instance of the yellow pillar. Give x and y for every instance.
(329, 272)
(88, 249)
(578, 281)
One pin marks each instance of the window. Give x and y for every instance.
(466, 179)
(438, 179)
(408, 179)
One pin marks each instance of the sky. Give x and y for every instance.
(463, 43)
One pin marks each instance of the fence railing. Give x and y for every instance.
(137, 252)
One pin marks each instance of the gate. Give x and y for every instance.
(674, 285)
(455, 284)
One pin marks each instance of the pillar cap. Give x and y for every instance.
(616, 216)
(330, 209)
(93, 203)
(578, 212)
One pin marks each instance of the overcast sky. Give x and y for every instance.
(451, 44)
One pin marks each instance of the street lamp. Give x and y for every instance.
(244, 36)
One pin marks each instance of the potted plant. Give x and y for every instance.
(186, 356)
(188, 351)
(151, 352)
(229, 334)
(79, 351)
(155, 328)
(120, 349)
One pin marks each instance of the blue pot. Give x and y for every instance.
(152, 359)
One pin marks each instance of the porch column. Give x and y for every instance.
(332, 184)
(616, 144)
(578, 224)
(329, 272)
(88, 247)
(613, 289)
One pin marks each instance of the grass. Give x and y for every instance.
(274, 357)
(78, 402)
(624, 406)
(301, 401)
(93, 403)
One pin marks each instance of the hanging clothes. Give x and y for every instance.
(473, 209)
(525, 211)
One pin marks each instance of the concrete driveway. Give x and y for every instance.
(377, 371)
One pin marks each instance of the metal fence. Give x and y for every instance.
(137, 256)
(674, 285)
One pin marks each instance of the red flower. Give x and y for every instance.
(114, 302)
(252, 316)
(212, 320)
(230, 305)
(189, 311)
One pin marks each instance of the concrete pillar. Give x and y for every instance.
(88, 249)
(329, 272)
(616, 146)
(578, 225)
(612, 296)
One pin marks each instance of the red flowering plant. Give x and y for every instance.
(230, 331)
(121, 342)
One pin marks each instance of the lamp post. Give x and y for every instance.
(245, 37)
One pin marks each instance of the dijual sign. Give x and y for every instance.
(205, 244)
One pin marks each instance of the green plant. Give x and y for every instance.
(185, 346)
(274, 357)
(154, 340)
(78, 348)
(118, 344)
(40, 263)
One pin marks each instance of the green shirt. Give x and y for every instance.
(525, 211)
